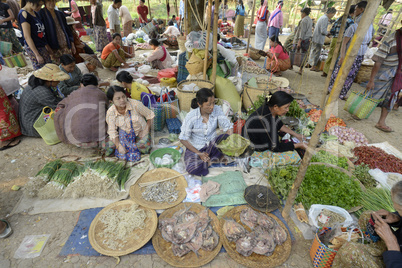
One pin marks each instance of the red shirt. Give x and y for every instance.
(143, 13)
(282, 55)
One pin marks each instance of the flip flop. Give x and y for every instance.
(384, 129)
(10, 144)
(8, 231)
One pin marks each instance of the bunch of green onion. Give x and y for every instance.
(375, 199)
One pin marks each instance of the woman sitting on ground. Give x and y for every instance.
(198, 133)
(85, 126)
(89, 66)
(133, 120)
(277, 59)
(69, 67)
(171, 34)
(386, 251)
(263, 128)
(113, 56)
(9, 127)
(160, 57)
(133, 88)
(39, 94)
(80, 47)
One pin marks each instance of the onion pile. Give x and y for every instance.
(349, 134)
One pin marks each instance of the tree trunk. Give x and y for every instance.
(197, 6)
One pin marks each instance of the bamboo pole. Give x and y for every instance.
(215, 42)
(176, 8)
(167, 12)
(351, 54)
(186, 17)
(208, 37)
(295, 14)
(336, 52)
(251, 26)
(149, 9)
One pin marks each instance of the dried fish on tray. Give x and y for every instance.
(255, 239)
(159, 195)
(187, 236)
(122, 228)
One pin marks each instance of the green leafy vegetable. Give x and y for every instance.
(362, 174)
(296, 111)
(257, 104)
(326, 157)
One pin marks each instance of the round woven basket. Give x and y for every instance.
(364, 74)
(185, 97)
(251, 93)
(164, 248)
(181, 40)
(279, 256)
(135, 240)
(254, 53)
(156, 175)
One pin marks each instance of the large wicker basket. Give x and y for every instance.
(181, 40)
(252, 93)
(364, 74)
(253, 53)
(185, 97)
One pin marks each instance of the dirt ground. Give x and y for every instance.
(24, 160)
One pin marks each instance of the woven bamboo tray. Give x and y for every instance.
(156, 175)
(279, 256)
(254, 53)
(185, 97)
(364, 73)
(136, 240)
(164, 248)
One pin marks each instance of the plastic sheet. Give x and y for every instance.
(31, 247)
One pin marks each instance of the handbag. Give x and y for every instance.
(17, 60)
(360, 104)
(158, 109)
(297, 58)
(9, 80)
(44, 125)
(170, 106)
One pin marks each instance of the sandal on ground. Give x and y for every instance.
(7, 231)
(10, 144)
(384, 128)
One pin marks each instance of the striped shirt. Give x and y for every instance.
(336, 27)
(367, 38)
(304, 30)
(199, 134)
(387, 53)
(139, 113)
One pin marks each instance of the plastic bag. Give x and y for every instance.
(315, 210)
(144, 69)
(31, 247)
(9, 80)
(383, 178)
(167, 73)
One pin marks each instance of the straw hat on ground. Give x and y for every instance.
(92, 59)
(51, 72)
(71, 21)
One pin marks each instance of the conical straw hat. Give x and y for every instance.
(51, 72)
(92, 59)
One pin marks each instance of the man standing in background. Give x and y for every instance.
(113, 17)
(142, 11)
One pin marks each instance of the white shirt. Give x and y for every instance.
(113, 17)
(125, 15)
(83, 68)
(172, 30)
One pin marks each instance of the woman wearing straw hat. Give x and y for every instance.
(89, 66)
(98, 24)
(80, 47)
(40, 92)
(33, 31)
(57, 33)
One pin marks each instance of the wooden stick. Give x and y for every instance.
(144, 184)
(186, 18)
(295, 14)
(215, 42)
(177, 9)
(351, 54)
(204, 76)
(336, 52)
(251, 26)
(167, 13)
(149, 9)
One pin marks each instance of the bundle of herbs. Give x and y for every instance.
(296, 111)
(114, 171)
(361, 172)
(321, 185)
(326, 157)
(375, 199)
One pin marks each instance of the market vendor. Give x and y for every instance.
(277, 59)
(160, 57)
(69, 67)
(198, 133)
(263, 126)
(134, 122)
(39, 94)
(80, 119)
(369, 255)
(113, 56)
(134, 89)
(171, 34)
(90, 65)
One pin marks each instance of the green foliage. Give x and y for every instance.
(375, 199)
(325, 157)
(362, 174)
(257, 104)
(296, 111)
(321, 185)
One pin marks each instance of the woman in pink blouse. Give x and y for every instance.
(129, 125)
(277, 59)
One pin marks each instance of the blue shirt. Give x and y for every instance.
(240, 10)
(199, 134)
(367, 38)
(337, 26)
(37, 28)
